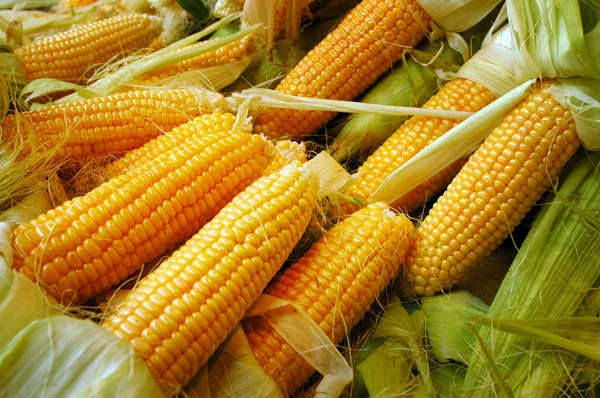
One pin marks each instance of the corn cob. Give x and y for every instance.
(73, 55)
(177, 317)
(412, 137)
(203, 125)
(367, 42)
(335, 282)
(114, 124)
(493, 191)
(93, 242)
(231, 52)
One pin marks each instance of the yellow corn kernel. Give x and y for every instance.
(370, 39)
(411, 138)
(493, 191)
(203, 125)
(77, 3)
(335, 282)
(110, 125)
(177, 317)
(73, 55)
(89, 244)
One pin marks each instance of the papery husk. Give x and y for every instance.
(457, 15)
(447, 323)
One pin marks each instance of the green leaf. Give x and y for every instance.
(198, 8)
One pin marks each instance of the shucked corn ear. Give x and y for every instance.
(412, 137)
(113, 124)
(72, 55)
(232, 52)
(93, 242)
(367, 42)
(493, 191)
(179, 314)
(335, 282)
(203, 125)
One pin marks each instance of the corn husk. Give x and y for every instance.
(26, 4)
(44, 353)
(457, 15)
(447, 324)
(448, 380)
(555, 268)
(386, 359)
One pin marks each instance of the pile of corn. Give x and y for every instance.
(299, 198)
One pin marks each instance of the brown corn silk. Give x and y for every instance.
(108, 125)
(370, 39)
(74, 54)
(493, 191)
(411, 138)
(335, 283)
(231, 52)
(94, 242)
(178, 316)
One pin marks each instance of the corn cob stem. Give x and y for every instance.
(93, 242)
(178, 316)
(414, 135)
(367, 42)
(73, 55)
(335, 282)
(493, 191)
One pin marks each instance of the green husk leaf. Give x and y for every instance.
(582, 97)
(579, 335)
(46, 354)
(455, 144)
(264, 97)
(551, 40)
(447, 323)
(399, 339)
(448, 380)
(44, 86)
(27, 4)
(555, 268)
(198, 8)
(458, 15)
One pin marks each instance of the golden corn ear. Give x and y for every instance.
(177, 317)
(367, 43)
(202, 125)
(110, 125)
(96, 241)
(231, 52)
(335, 282)
(74, 54)
(286, 152)
(498, 185)
(411, 138)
